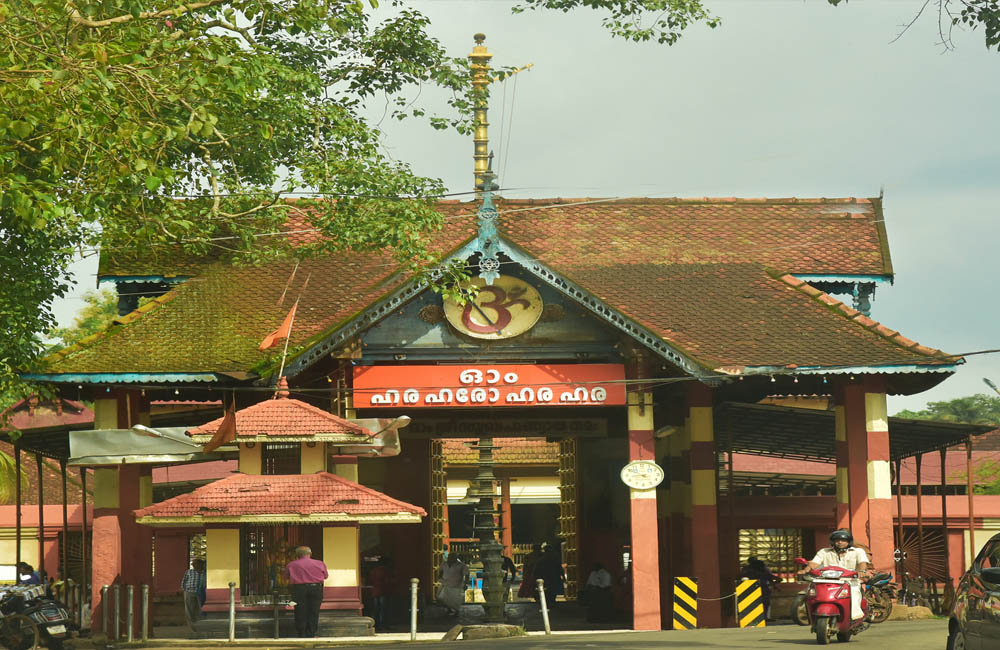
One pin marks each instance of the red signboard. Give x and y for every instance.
(592, 384)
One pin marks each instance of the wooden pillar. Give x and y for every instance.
(41, 519)
(64, 547)
(869, 476)
(507, 534)
(645, 543)
(972, 501)
(17, 512)
(944, 516)
(900, 570)
(920, 518)
(704, 508)
(84, 576)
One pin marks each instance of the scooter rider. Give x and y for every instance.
(842, 553)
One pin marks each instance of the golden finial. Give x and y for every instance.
(480, 65)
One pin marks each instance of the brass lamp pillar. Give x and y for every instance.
(490, 550)
(480, 65)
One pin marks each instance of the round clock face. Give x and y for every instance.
(642, 474)
(501, 310)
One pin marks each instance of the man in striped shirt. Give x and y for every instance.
(192, 584)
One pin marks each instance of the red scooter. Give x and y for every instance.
(828, 603)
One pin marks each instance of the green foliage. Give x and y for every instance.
(99, 309)
(972, 409)
(163, 128)
(8, 474)
(638, 20)
(986, 478)
(957, 13)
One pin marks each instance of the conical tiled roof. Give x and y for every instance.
(284, 498)
(288, 420)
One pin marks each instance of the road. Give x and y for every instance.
(911, 635)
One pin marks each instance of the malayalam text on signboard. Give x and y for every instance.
(593, 384)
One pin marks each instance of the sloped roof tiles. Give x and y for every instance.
(317, 497)
(695, 272)
(285, 418)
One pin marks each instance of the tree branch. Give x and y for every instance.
(77, 18)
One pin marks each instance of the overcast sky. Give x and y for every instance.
(784, 99)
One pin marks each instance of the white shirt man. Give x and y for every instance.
(846, 557)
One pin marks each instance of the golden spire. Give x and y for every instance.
(480, 58)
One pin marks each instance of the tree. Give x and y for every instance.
(183, 127)
(972, 409)
(99, 309)
(950, 14)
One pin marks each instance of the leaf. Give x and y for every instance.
(21, 128)
(153, 183)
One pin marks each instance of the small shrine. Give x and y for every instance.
(296, 485)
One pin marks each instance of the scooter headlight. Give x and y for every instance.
(811, 591)
(831, 573)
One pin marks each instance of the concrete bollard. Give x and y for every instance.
(117, 596)
(106, 607)
(129, 613)
(545, 608)
(414, 582)
(232, 612)
(145, 613)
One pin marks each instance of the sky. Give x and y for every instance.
(785, 98)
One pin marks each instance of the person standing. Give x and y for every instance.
(193, 584)
(454, 578)
(305, 577)
(755, 569)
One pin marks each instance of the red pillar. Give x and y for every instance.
(645, 542)
(704, 507)
(843, 514)
(869, 482)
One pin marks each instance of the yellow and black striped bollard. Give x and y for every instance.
(750, 604)
(685, 603)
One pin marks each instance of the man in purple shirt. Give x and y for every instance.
(305, 577)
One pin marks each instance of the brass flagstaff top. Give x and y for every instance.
(480, 58)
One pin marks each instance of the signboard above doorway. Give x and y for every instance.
(591, 384)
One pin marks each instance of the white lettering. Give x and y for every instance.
(494, 395)
(598, 394)
(471, 376)
(411, 396)
(544, 394)
(510, 378)
(492, 376)
(478, 395)
(462, 395)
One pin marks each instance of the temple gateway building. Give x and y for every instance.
(640, 335)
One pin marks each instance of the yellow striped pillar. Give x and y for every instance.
(704, 510)
(869, 484)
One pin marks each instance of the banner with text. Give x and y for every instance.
(591, 384)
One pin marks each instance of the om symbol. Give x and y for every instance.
(501, 304)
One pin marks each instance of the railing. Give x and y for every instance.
(114, 621)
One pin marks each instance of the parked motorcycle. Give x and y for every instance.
(880, 594)
(55, 626)
(828, 602)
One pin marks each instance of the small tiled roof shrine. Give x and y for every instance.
(283, 498)
(288, 420)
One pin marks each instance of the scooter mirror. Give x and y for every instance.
(801, 561)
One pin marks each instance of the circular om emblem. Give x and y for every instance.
(508, 307)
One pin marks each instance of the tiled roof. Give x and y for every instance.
(814, 236)
(288, 497)
(510, 451)
(287, 419)
(36, 413)
(691, 271)
(721, 313)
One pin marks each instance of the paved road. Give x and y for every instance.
(908, 635)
